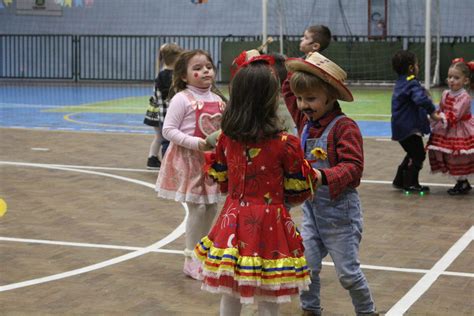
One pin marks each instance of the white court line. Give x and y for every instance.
(154, 171)
(24, 105)
(103, 246)
(39, 149)
(375, 115)
(428, 279)
(175, 234)
(85, 245)
(423, 183)
(80, 167)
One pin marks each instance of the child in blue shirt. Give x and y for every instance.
(411, 106)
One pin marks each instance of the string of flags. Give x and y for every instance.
(63, 3)
(75, 3)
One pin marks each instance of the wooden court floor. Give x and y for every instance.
(85, 234)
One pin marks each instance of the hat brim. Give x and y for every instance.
(298, 64)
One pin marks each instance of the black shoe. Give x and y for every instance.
(153, 163)
(461, 187)
(417, 189)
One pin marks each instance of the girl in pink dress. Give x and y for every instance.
(451, 144)
(254, 251)
(194, 112)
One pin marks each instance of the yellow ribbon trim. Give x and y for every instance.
(295, 184)
(219, 176)
(218, 260)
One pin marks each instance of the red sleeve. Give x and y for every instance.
(290, 101)
(346, 156)
(218, 164)
(298, 173)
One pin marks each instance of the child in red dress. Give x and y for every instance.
(451, 145)
(254, 251)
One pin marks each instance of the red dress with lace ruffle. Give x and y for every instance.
(451, 148)
(254, 248)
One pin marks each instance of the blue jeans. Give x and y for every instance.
(335, 227)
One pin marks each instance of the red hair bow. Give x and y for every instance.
(457, 60)
(241, 61)
(266, 58)
(471, 65)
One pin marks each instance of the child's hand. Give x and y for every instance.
(203, 146)
(211, 140)
(435, 116)
(319, 178)
(443, 119)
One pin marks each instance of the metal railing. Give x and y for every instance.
(94, 57)
(121, 58)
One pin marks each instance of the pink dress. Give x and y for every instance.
(192, 115)
(451, 148)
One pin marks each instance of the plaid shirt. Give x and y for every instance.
(157, 109)
(345, 152)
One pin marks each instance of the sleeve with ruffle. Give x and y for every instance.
(217, 163)
(298, 173)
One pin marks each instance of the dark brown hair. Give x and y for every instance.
(251, 113)
(181, 69)
(279, 67)
(402, 60)
(320, 34)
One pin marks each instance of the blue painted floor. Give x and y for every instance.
(23, 106)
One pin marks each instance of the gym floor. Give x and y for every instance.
(85, 234)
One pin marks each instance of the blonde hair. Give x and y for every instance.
(464, 69)
(169, 53)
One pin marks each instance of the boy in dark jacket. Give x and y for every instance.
(411, 106)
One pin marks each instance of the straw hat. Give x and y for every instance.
(325, 69)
